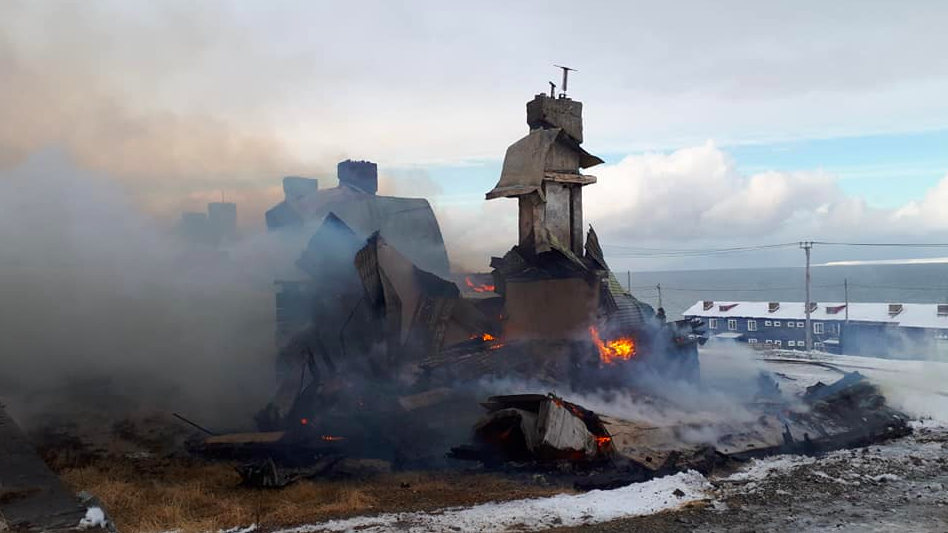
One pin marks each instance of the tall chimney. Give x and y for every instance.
(542, 171)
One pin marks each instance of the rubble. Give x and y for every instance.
(529, 426)
(851, 412)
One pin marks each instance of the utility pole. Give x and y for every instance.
(846, 294)
(841, 335)
(659, 287)
(807, 246)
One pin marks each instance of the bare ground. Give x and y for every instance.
(194, 496)
(901, 485)
(898, 486)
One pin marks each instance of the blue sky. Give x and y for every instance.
(887, 170)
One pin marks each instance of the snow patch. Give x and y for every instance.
(536, 513)
(95, 517)
(762, 468)
(248, 529)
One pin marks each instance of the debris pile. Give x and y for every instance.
(527, 426)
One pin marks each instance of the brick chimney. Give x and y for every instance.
(360, 175)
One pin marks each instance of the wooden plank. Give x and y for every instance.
(264, 437)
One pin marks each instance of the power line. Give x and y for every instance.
(626, 251)
(895, 287)
(652, 288)
(721, 289)
(631, 252)
(886, 244)
(732, 248)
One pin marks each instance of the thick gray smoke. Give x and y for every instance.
(97, 295)
(703, 411)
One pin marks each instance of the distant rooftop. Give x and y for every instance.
(905, 315)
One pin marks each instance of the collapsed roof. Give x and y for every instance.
(408, 223)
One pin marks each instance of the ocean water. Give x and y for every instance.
(908, 283)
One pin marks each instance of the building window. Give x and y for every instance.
(732, 324)
(751, 341)
(769, 341)
(766, 322)
(778, 343)
(833, 328)
(789, 324)
(801, 325)
(818, 345)
(751, 325)
(791, 343)
(818, 328)
(712, 323)
(776, 323)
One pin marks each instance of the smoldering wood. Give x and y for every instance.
(427, 398)
(851, 413)
(561, 430)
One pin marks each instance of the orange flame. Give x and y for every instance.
(487, 337)
(332, 437)
(609, 351)
(603, 441)
(478, 288)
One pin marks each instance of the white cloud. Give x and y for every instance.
(698, 197)
(699, 192)
(928, 213)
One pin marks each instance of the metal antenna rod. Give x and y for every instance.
(552, 89)
(565, 76)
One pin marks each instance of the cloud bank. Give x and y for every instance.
(698, 197)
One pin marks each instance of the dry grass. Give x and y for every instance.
(196, 497)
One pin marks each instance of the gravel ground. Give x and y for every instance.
(898, 486)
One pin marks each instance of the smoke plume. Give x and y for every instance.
(97, 292)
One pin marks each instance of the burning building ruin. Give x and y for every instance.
(378, 296)
(555, 285)
(383, 355)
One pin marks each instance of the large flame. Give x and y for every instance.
(612, 350)
(483, 287)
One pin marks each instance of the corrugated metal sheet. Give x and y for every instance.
(630, 312)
